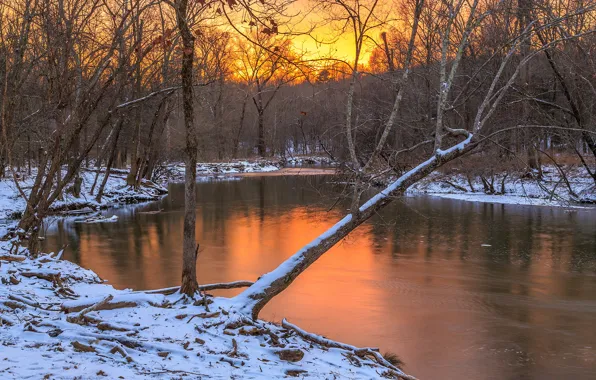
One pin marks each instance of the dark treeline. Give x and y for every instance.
(98, 82)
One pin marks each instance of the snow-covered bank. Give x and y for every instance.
(116, 191)
(175, 172)
(306, 161)
(59, 321)
(550, 190)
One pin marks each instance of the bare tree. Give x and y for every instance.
(190, 248)
(463, 140)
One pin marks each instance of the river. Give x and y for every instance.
(456, 289)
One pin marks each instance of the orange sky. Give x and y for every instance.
(336, 45)
(324, 41)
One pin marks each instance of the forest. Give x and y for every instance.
(391, 92)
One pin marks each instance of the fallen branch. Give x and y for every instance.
(24, 300)
(226, 285)
(218, 286)
(204, 315)
(49, 276)
(105, 326)
(234, 352)
(458, 187)
(15, 305)
(13, 258)
(105, 304)
(119, 349)
(4, 320)
(322, 340)
(97, 306)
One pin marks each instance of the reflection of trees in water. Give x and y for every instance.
(127, 248)
(519, 293)
(428, 226)
(519, 284)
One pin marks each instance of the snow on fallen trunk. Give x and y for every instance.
(151, 335)
(116, 302)
(252, 300)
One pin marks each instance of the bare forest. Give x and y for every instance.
(390, 92)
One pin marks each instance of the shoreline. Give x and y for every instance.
(60, 320)
(59, 308)
(513, 200)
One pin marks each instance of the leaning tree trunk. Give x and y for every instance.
(189, 284)
(111, 157)
(253, 299)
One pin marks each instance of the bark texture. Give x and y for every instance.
(189, 285)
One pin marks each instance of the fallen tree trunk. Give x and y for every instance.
(253, 299)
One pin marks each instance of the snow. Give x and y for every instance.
(116, 191)
(49, 313)
(304, 161)
(207, 171)
(548, 191)
(161, 337)
(100, 219)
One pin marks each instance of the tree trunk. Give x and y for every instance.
(110, 160)
(271, 284)
(189, 284)
(240, 127)
(261, 143)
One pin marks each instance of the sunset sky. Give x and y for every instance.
(325, 40)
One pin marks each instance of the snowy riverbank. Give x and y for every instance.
(60, 321)
(116, 191)
(550, 190)
(175, 172)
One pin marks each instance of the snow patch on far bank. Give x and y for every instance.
(550, 190)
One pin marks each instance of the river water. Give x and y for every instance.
(456, 289)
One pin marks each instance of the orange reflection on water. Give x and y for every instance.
(456, 289)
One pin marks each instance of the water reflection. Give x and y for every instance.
(457, 289)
